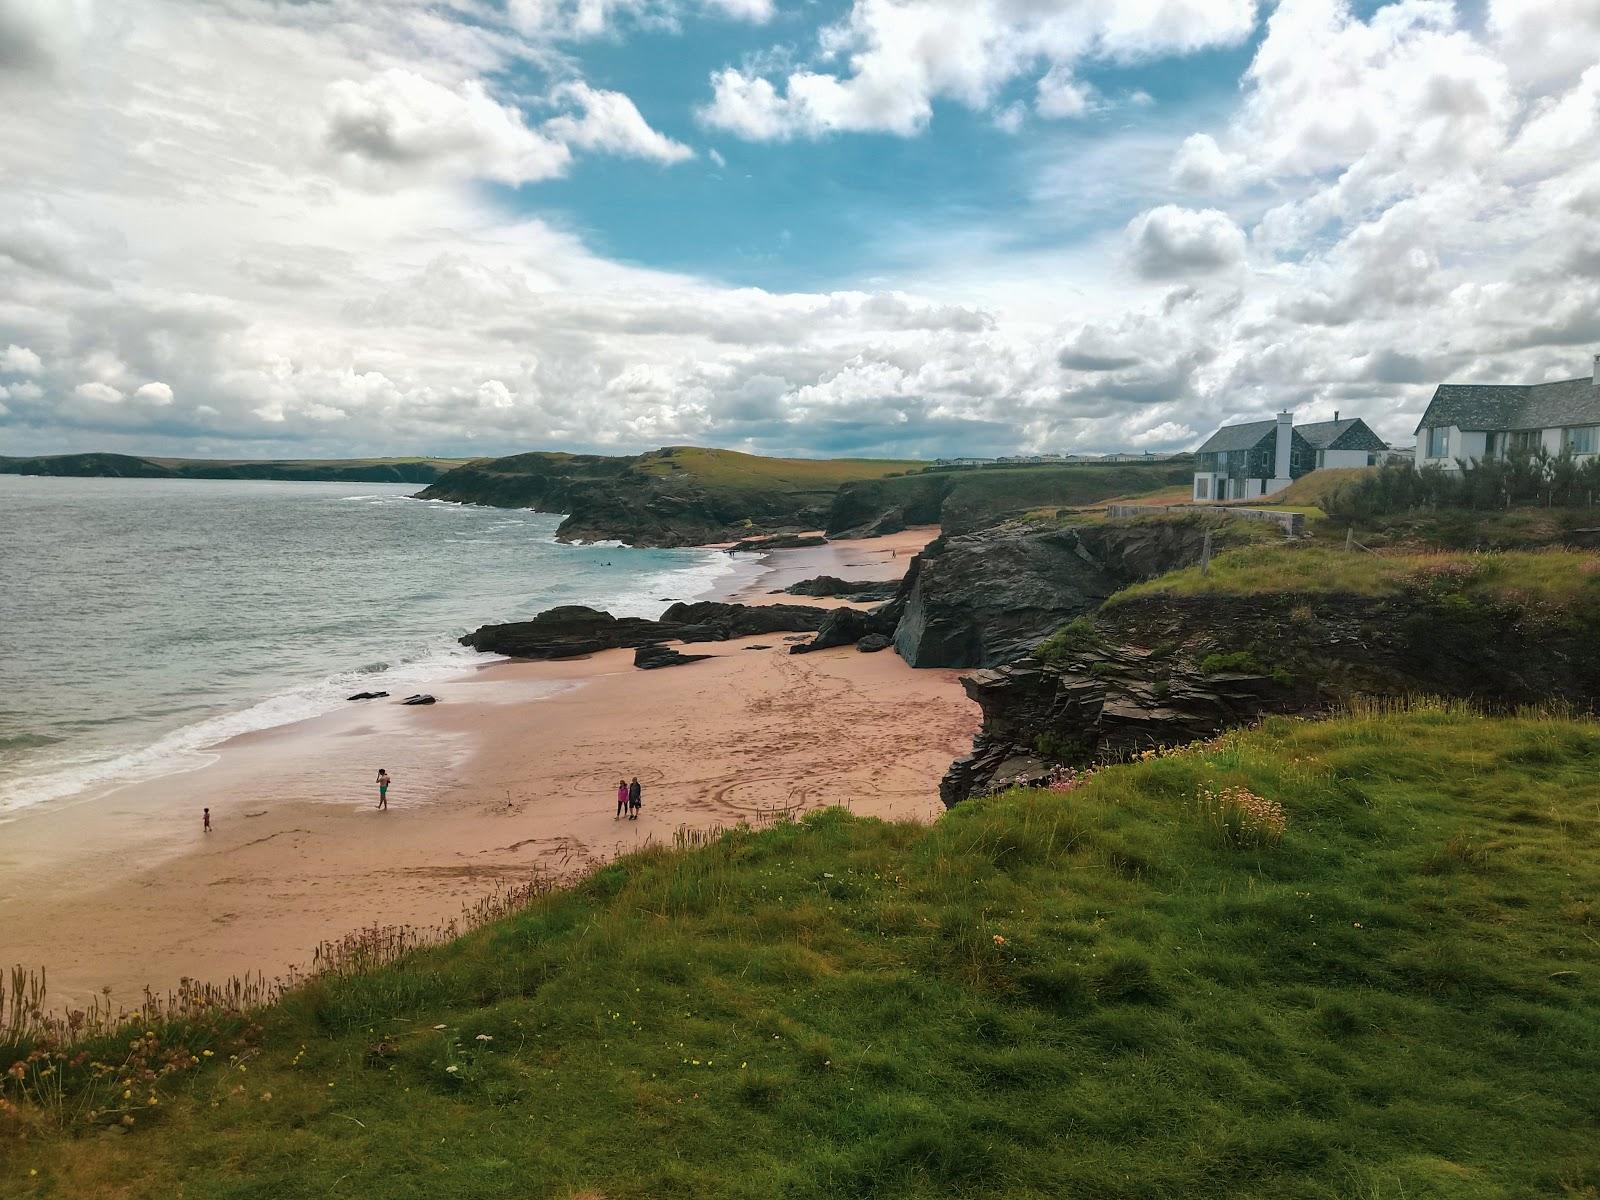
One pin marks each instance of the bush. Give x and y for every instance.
(1075, 635)
(1523, 478)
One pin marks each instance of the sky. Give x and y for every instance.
(920, 228)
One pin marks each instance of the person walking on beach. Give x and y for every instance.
(383, 789)
(635, 793)
(622, 799)
(206, 821)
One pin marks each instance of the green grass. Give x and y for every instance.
(732, 469)
(1566, 581)
(1095, 994)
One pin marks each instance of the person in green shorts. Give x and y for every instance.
(383, 788)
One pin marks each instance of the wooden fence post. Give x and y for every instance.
(1205, 554)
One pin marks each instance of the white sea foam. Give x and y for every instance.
(193, 745)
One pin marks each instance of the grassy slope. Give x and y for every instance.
(732, 469)
(1397, 1001)
(1564, 580)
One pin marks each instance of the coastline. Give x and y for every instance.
(510, 774)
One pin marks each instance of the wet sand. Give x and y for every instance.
(513, 772)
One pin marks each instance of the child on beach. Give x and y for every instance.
(622, 799)
(383, 789)
(206, 821)
(635, 794)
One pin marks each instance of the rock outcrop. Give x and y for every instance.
(845, 589)
(574, 629)
(651, 658)
(987, 598)
(778, 541)
(1166, 670)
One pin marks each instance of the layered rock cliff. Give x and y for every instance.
(987, 598)
(1164, 670)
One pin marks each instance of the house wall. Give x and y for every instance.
(1453, 448)
(1343, 458)
(1210, 479)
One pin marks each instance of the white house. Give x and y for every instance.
(1468, 421)
(1242, 462)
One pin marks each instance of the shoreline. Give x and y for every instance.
(511, 774)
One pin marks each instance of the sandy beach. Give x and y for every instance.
(513, 772)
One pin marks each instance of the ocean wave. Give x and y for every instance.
(192, 745)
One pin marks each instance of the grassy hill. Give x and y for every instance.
(679, 495)
(1371, 973)
(965, 500)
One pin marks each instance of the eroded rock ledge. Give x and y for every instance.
(1166, 670)
(573, 629)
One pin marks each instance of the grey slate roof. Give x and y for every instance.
(1350, 434)
(1479, 406)
(1238, 437)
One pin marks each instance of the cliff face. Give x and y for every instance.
(988, 598)
(1165, 670)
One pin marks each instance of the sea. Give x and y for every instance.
(143, 622)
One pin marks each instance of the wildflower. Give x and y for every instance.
(438, 1026)
(128, 1119)
(452, 1068)
(998, 940)
(265, 1096)
(484, 1037)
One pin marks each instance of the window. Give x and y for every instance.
(1582, 439)
(1523, 441)
(1202, 488)
(1494, 445)
(1438, 443)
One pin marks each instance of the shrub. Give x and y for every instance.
(1242, 818)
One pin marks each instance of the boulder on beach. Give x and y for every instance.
(874, 642)
(778, 541)
(650, 658)
(367, 696)
(844, 589)
(420, 698)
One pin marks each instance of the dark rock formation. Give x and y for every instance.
(843, 627)
(1167, 670)
(874, 642)
(649, 658)
(573, 629)
(778, 541)
(988, 598)
(845, 589)
(367, 696)
(421, 698)
(744, 620)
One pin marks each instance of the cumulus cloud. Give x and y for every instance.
(610, 122)
(1203, 166)
(902, 55)
(399, 124)
(100, 393)
(1171, 242)
(154, 392)
(19, 360)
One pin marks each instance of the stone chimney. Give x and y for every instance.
(1597, 370)
(1280, 472)
(1336, 414)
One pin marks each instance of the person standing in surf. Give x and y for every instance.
(383, 789)
(206, 821)
(622, 799)
(635, 795)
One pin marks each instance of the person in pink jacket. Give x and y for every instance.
(622, 799)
